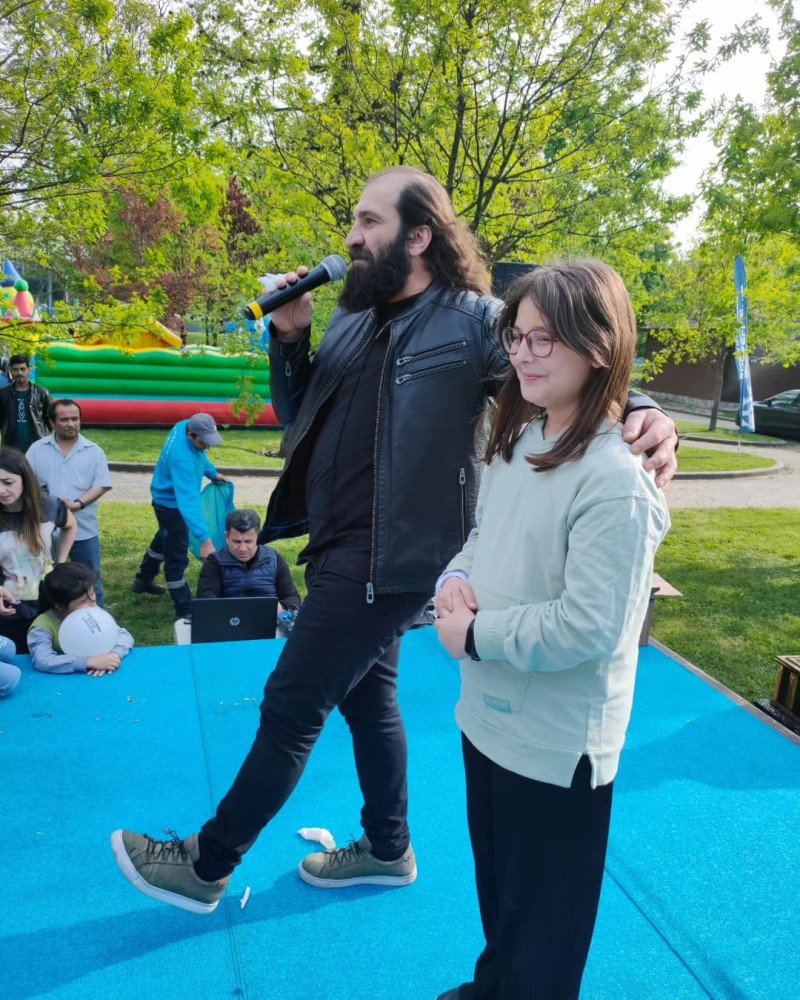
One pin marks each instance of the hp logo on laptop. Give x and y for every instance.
(234, 621)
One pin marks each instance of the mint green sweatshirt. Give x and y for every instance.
(561, 564)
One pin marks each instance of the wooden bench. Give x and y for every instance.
(658, 588)
(787, 687)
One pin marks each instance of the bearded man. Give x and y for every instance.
(382, 473)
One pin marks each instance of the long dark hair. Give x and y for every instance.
(589, 310)
(453, 255)
(14, 461)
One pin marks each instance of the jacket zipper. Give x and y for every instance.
(430, 353)
(430, 371)
(372, 559)
(462, 497)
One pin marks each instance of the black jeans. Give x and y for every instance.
(539, 855)
(170, 547)
(341, 652)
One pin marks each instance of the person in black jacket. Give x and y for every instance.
(243, 568)
(382, 472)
(24, 407)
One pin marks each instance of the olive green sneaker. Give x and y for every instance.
(164, 870)
(356, 865)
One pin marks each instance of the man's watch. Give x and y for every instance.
(469, 642)
(80, 503)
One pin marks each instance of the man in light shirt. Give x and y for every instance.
(74, 469)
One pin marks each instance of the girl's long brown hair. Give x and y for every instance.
(14, 461)
(589, 310)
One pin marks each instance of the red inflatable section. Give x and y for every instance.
(166, 412)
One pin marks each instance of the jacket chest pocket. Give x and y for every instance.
(436, 359)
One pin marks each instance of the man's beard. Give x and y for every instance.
(379, 279)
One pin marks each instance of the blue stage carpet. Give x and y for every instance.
(700, 897)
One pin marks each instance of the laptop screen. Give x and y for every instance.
(231, 619)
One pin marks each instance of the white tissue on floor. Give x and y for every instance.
(316, 833)
(245, 897)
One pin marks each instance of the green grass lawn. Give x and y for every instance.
(245, 447)
(240, 446)
(691, 459)
(737, 569)
(722, 434)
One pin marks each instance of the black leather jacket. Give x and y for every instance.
(441, 366)
(39, 405)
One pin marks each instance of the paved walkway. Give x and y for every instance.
(779, 490)
(134, 487)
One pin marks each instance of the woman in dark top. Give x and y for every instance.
(28, 520)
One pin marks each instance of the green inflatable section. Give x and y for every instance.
(222, 389)
(79, 373)
(71, 370)
(162, 357)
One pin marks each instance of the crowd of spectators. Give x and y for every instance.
(51, 479)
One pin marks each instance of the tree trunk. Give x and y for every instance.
(719, 374)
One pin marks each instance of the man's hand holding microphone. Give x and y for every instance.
(289, 306)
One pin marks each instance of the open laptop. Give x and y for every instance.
(229, 619)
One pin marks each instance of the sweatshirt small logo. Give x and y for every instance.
(498, 704)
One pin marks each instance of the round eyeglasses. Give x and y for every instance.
(540, 341)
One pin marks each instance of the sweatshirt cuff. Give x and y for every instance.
(490, 634)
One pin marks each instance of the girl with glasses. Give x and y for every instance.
(544, 606)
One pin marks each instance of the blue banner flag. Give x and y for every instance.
(746, 418)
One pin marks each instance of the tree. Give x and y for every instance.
(92, 93)
(541, 119)
(755, 184)
(694, 318)
(149, 246)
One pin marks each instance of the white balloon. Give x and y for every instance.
(7, 649)
(88, 632)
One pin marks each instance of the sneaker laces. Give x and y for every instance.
(344, 855)
(166, 850)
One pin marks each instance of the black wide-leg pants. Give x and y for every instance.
(539, 855)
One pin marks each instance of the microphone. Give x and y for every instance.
(333, 268)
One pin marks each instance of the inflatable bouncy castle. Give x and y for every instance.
(150, 386)
(16, 302)
(154, 383)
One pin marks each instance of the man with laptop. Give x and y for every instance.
(253, 581)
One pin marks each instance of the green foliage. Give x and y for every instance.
(541, 120)
(90, 92)
(755, 184)
(693, 315)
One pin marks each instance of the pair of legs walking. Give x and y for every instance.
(539, 855)
(170, 549)
(341, 653)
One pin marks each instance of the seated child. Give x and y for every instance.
(9, 678)
(9, 672)
(69, 587)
